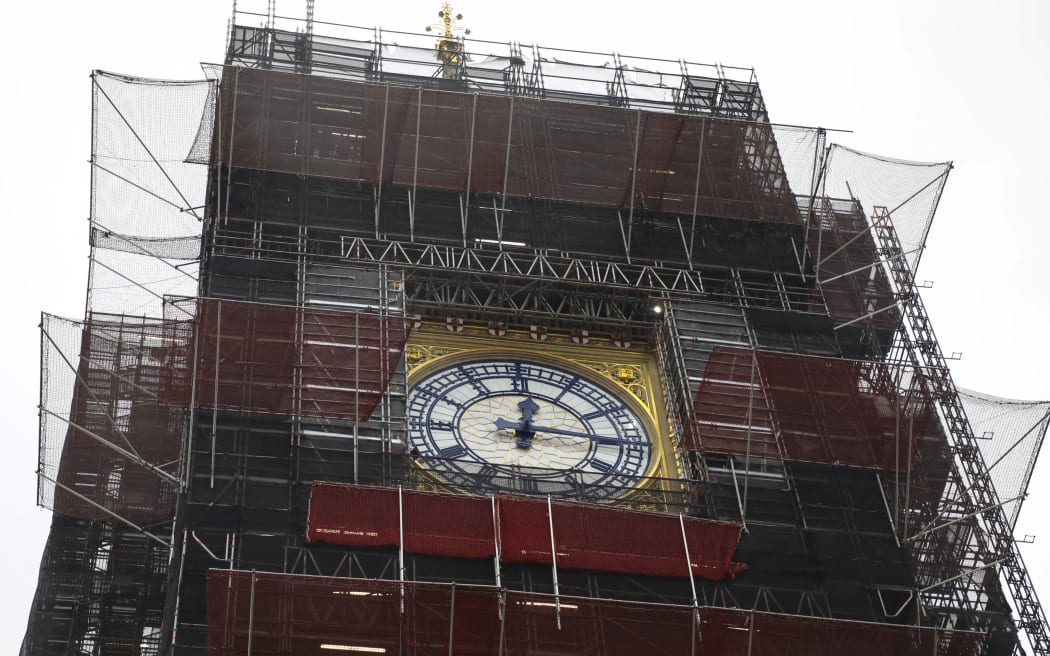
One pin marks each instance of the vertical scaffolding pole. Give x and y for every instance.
(401, 545)
(229, 155)
(357, 394)
(215, 387)
(415, 171)
(452, 619)
(506, 172)
(554, 562)
(696, 187)
(496, 541)
(688, 560)
(382, 158)
(251, 614)
(634, 180)
(465, 213)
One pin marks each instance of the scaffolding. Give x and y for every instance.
(223, 436)
(282, 614)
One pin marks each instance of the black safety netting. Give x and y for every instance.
(1010, 433)
(910, 191)
(146, 197)
(108, 444)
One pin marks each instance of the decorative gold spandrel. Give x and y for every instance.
(417, 354)
(627, 376)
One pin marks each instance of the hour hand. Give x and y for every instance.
(523, 433)
(503, 424)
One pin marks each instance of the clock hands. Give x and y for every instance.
(524, 430)
(527, 407)
(503, 424)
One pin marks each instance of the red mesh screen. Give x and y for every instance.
(285, 614)
(587, 537)
(434, 523)
(812, 409)
(359, 516)
(731, 408)
(560, 151)
(449, 524)
(614, 539)
(248, 355)
(524, 530)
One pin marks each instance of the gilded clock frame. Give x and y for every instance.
(631, 374)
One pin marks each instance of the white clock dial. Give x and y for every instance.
(512, 420)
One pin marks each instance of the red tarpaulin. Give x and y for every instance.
(814, 409)
(287, 359)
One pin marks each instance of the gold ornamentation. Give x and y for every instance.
(630, 377)
(415, 355)
(449, 47)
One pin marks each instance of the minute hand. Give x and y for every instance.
(503, 424)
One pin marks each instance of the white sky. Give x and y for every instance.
(915, 79)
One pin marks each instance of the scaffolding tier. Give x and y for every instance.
(500, 146)
(286, 614)
(109, 446)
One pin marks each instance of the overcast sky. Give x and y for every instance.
(914, 79)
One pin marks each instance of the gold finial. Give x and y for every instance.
(449, 46)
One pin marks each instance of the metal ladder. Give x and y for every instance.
(982, 496)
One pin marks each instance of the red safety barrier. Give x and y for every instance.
(282, 614)
(586, 536)
(435, 523)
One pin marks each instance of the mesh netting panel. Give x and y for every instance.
(1014, 432)
(288, 359)
(910, 190)
(524, 147)
(143, 130)
(103, 429)
(200, 150)
(146, 198)
(287, 614)
(122, 282)
(802, 151)
(586, 536)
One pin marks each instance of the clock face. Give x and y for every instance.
(508, 424)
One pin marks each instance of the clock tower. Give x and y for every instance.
(493, 349)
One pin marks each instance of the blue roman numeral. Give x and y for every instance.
(454, 452)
